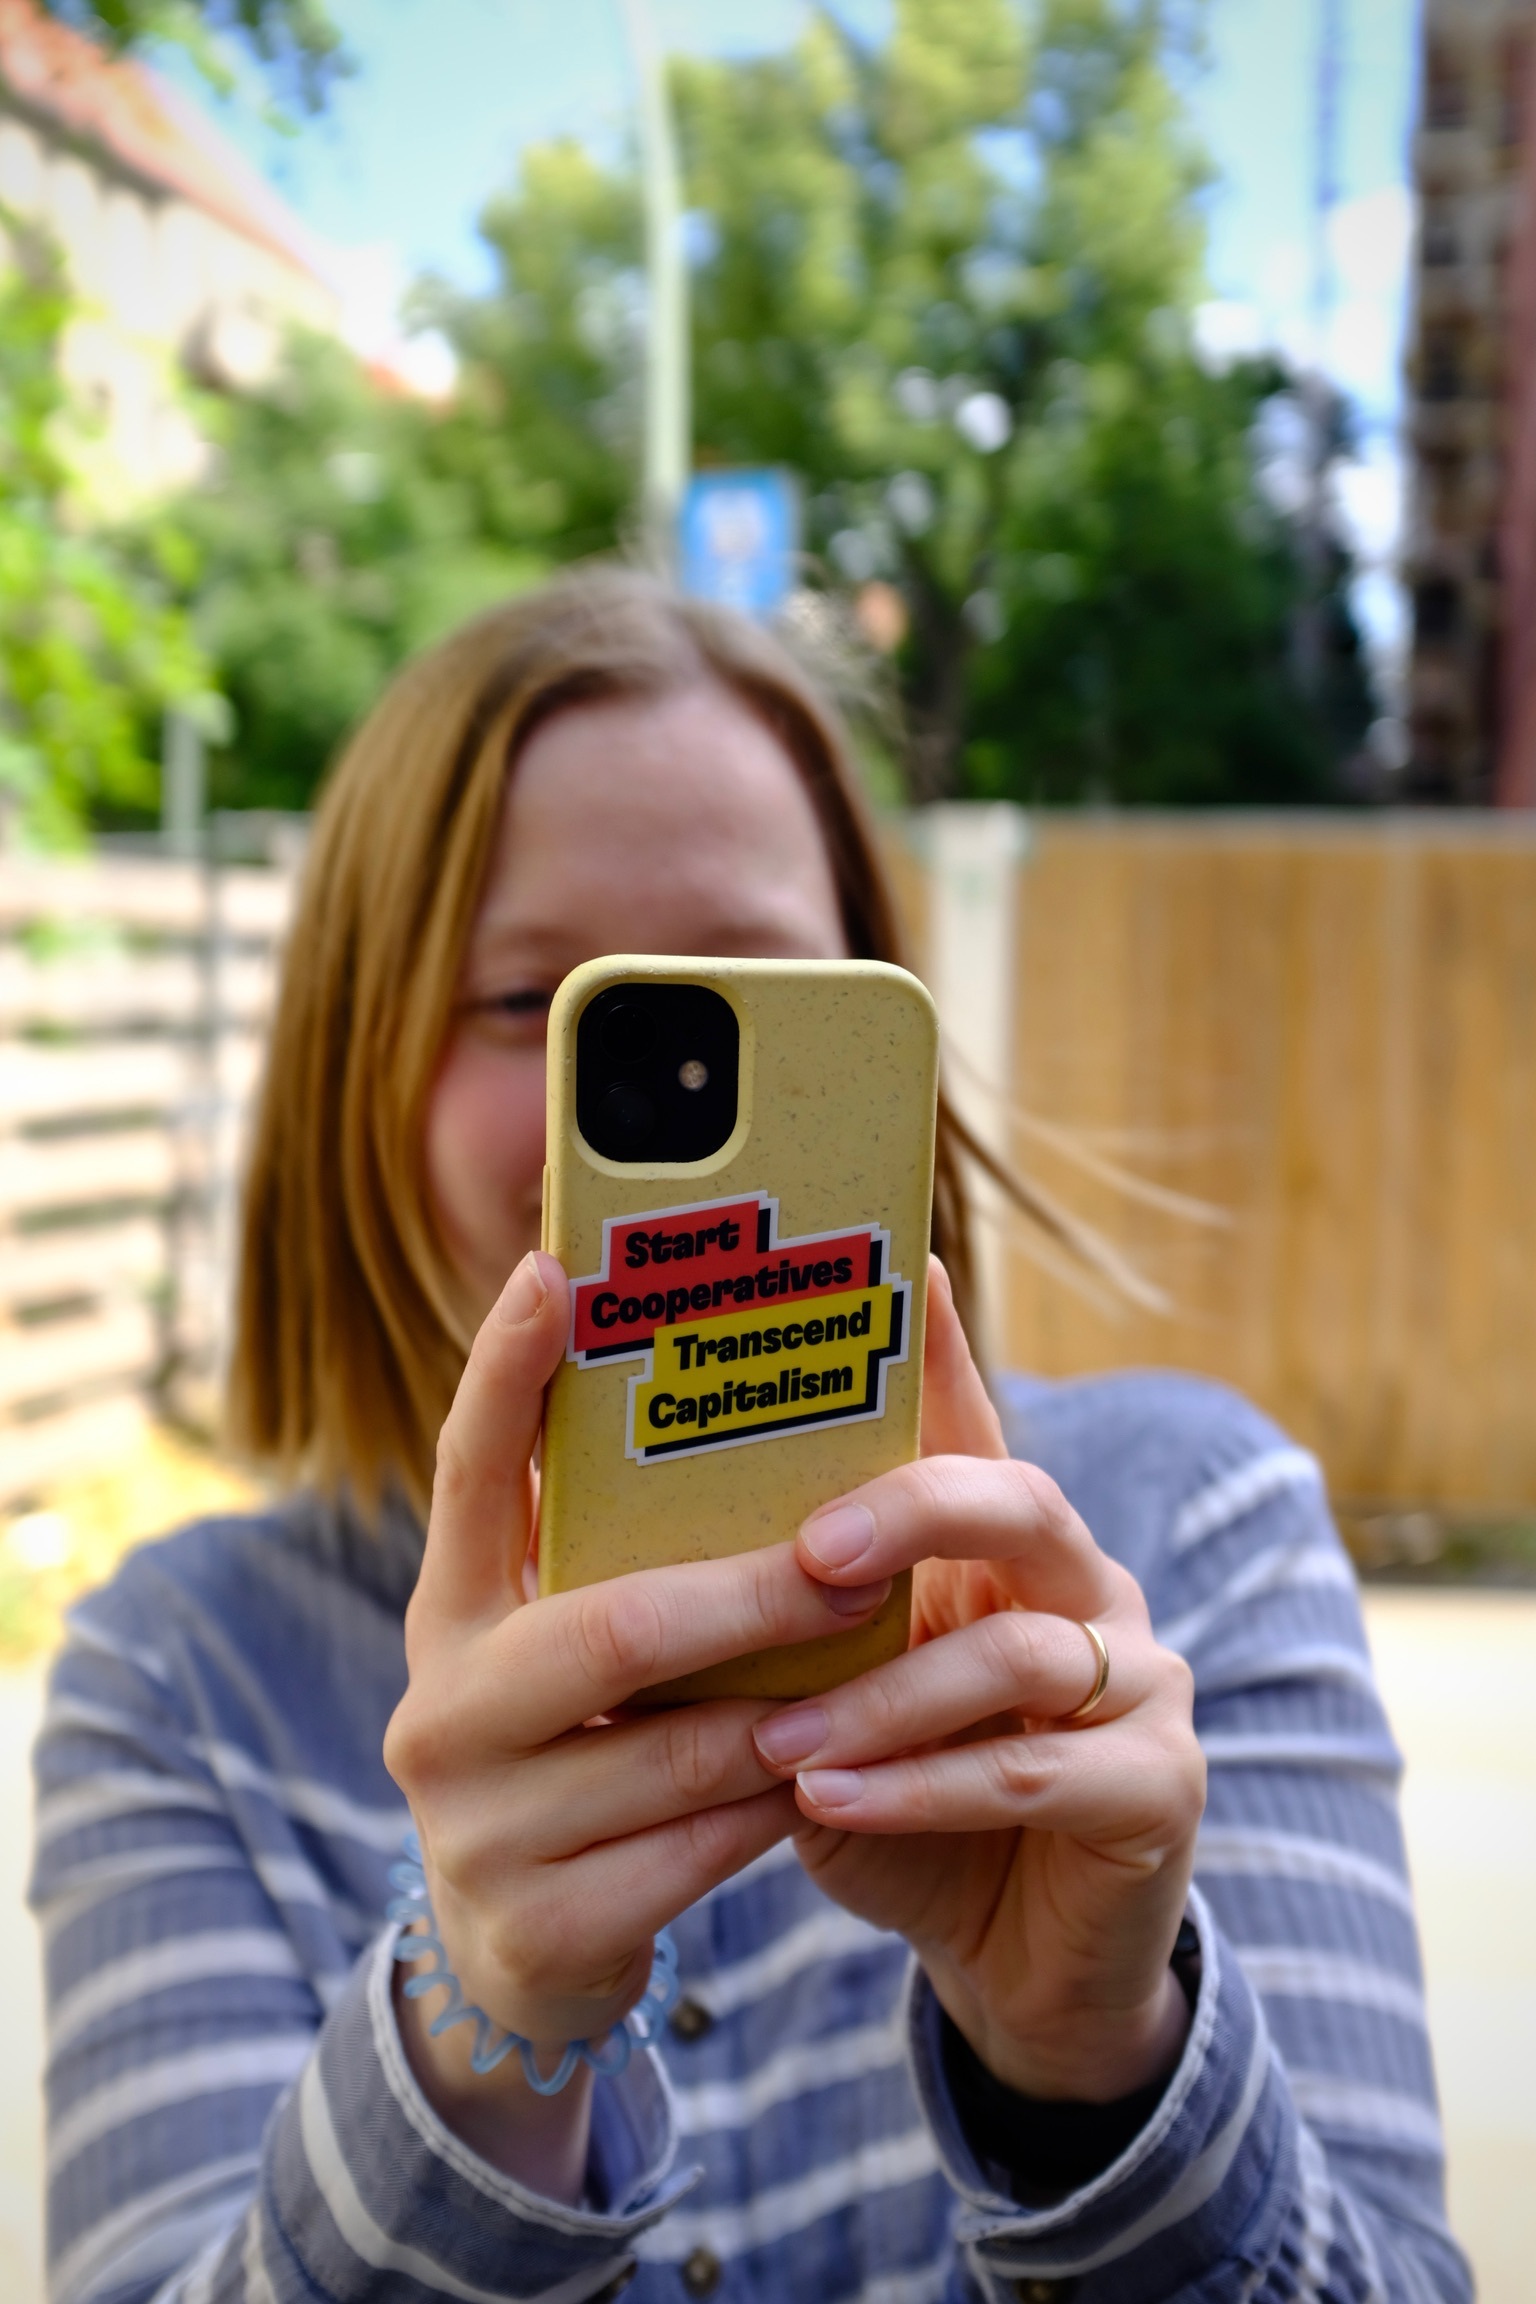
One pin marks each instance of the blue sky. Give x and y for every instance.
(450, 90)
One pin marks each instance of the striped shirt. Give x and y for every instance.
(233, 2121)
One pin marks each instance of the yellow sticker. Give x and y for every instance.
(744, 1377)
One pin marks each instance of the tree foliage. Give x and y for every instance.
(293, 43)
(346, 524)
(948, 279)
(1150, 597)
(334, 536)
(92, 646)
(549, 411)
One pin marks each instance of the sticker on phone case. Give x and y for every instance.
(743, 1336)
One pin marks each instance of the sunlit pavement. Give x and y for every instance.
(21, 2059)
(1459, 1671)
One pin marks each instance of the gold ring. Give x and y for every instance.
(1101, 1683)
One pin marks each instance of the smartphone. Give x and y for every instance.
(739, 1184)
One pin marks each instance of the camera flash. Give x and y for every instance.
(693, 1074)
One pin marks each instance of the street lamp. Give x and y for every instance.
(667, 420)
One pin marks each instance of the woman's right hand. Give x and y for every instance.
(557, 1842)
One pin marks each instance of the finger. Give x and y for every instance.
(1034, 1666)
(1119, 1789)
(958, 1417)
(571, 1954)
(652, 1876)
(965, 1508)
(582, 1918)
(610, 1783)
(477, 1535)
(573, 1655)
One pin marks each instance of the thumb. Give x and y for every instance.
(958, 1416)
(482, 1491)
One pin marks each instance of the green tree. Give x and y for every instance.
(548, 419)
(336, 533)
(1147, 597)
(293, 43)
(948, 278)
(92, 646)
(345, 524)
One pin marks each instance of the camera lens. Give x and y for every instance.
(629, 1117)
(656, 1071)
(629, 1033)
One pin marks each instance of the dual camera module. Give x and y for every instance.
(656, 1071)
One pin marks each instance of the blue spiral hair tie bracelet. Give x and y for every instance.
(608, 2055)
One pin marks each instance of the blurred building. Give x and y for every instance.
(186, 266)
(1516, 779)
(1472, 402)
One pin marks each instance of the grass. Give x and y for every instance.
(74, 1536)
(1442, 1547)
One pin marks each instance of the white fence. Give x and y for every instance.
(133, 996)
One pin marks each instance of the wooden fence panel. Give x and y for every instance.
(159, 895)
(1328, 1032)
(134, 993)
(96, 992)
(1322, 1030)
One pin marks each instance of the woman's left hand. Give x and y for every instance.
(1038, 1867)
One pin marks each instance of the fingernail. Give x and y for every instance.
(832, 1787)
(837, 1538)
(791, 1735)
(855, 1599)
(524, 1292)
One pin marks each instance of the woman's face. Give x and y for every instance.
(679, 825)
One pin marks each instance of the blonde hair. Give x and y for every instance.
(351, 1333)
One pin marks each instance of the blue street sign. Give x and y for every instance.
(739, 539)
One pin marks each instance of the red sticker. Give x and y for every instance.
(684, 1264)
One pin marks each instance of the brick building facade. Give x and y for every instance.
(1471, 399)
(185, 266)
(1515, 781)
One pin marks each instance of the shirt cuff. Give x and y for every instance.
(1207, 2178)
(360, 2166)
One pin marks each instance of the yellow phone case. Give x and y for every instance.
(792, 1369)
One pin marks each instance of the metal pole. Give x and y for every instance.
(1317, 390)
(667, 417)
(183, 795)
(973, 968)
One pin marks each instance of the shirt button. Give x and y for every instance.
(690, 2021)
(1032, 2291)
(701, 2272)
(617, 2284)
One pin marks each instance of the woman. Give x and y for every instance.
(957, 2021)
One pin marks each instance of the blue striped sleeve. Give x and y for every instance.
(1203, 2185)
(1296, 2157)
(231, 2116)
(364, 2193)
